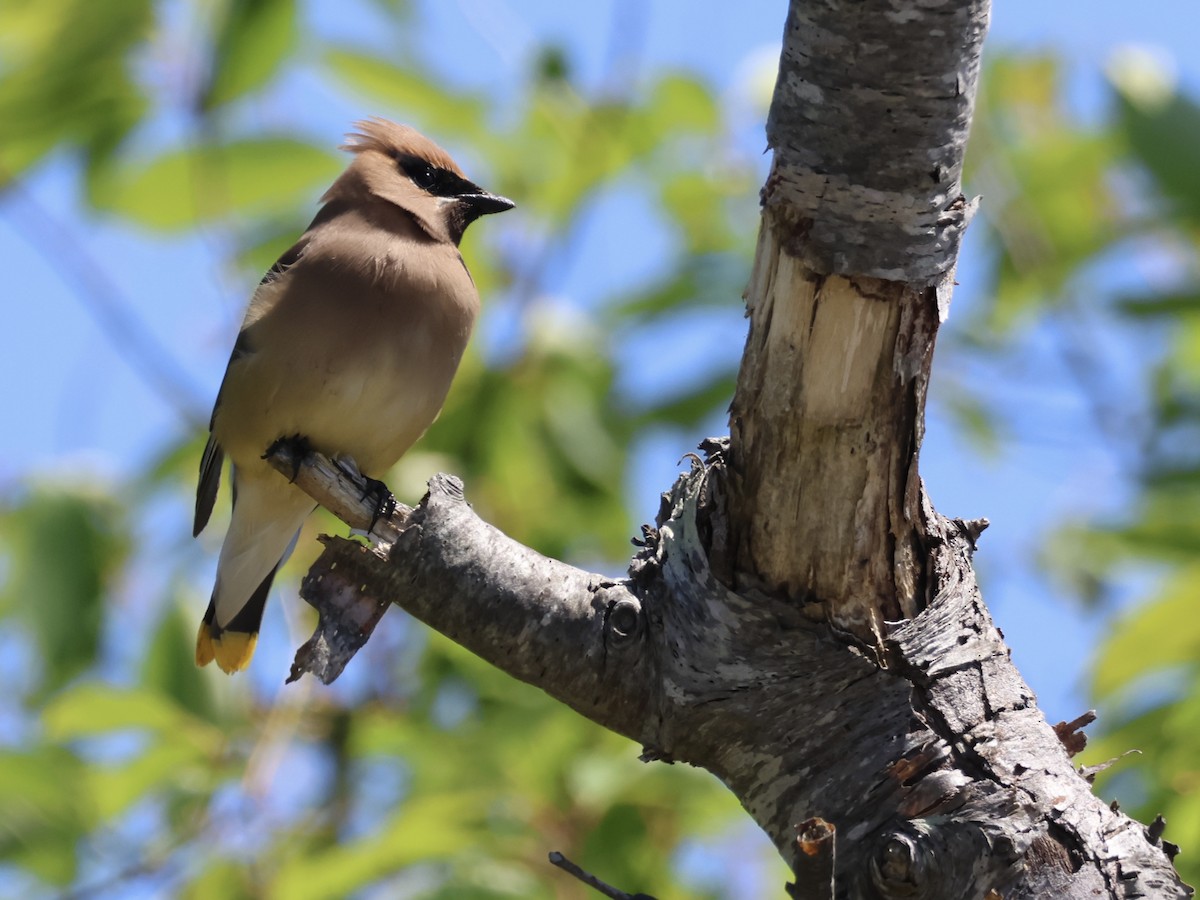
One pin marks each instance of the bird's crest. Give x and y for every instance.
(387, 137)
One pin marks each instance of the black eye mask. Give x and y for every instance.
(429, 178)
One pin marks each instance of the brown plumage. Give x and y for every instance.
(350, 342)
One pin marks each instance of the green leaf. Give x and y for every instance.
(693, 201)
(1169, 625)
(1165, 528)
(65, 547)
(619, 846)
(973, 418)
(168, 667)
(269, 239)
(427, 828)
(593, 148)
(221, 878)
(688, 410)
(1164, 135)
(1051, 206)
(177, 753)
(681, 104)
(695, 280)
(1163, 776)
(253, 40)
(184, 188)
(65, 78)
(1023, 90)
(43, 812)
(1060, 216)
(575, 423)
(1160, 306)
(93, 708)
(171, 762)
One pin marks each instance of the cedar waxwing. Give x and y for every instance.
(350, 343)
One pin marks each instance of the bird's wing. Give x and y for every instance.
(211, 462)
(210, 480)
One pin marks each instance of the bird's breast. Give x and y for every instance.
(360, 366)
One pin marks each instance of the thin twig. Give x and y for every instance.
(592, 881)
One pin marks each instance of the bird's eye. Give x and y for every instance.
(423, 175)
(426, 176)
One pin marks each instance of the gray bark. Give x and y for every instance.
(799, 620)
(869, 120)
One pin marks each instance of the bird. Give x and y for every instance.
(349, 345)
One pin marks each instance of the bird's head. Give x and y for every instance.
(399, 165)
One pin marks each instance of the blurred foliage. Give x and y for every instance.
(1069, 204)
(424, 773)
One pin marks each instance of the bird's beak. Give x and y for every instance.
(483, 204)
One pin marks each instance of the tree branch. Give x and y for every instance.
(571, 632)
(954, 781)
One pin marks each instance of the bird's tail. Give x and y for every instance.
(232, 646)
(262, 532)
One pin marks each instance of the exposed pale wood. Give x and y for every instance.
(825, 427)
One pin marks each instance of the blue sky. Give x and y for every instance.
(77, 411)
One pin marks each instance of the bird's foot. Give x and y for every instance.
(296, 447)
(385, 500)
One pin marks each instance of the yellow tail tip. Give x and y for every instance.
(204, 646)
(231, 649)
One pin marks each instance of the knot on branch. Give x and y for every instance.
(901, 864)
(624, 622)
(928, 859)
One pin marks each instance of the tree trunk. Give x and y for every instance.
(800, 621)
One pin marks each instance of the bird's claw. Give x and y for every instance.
(385, 500)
